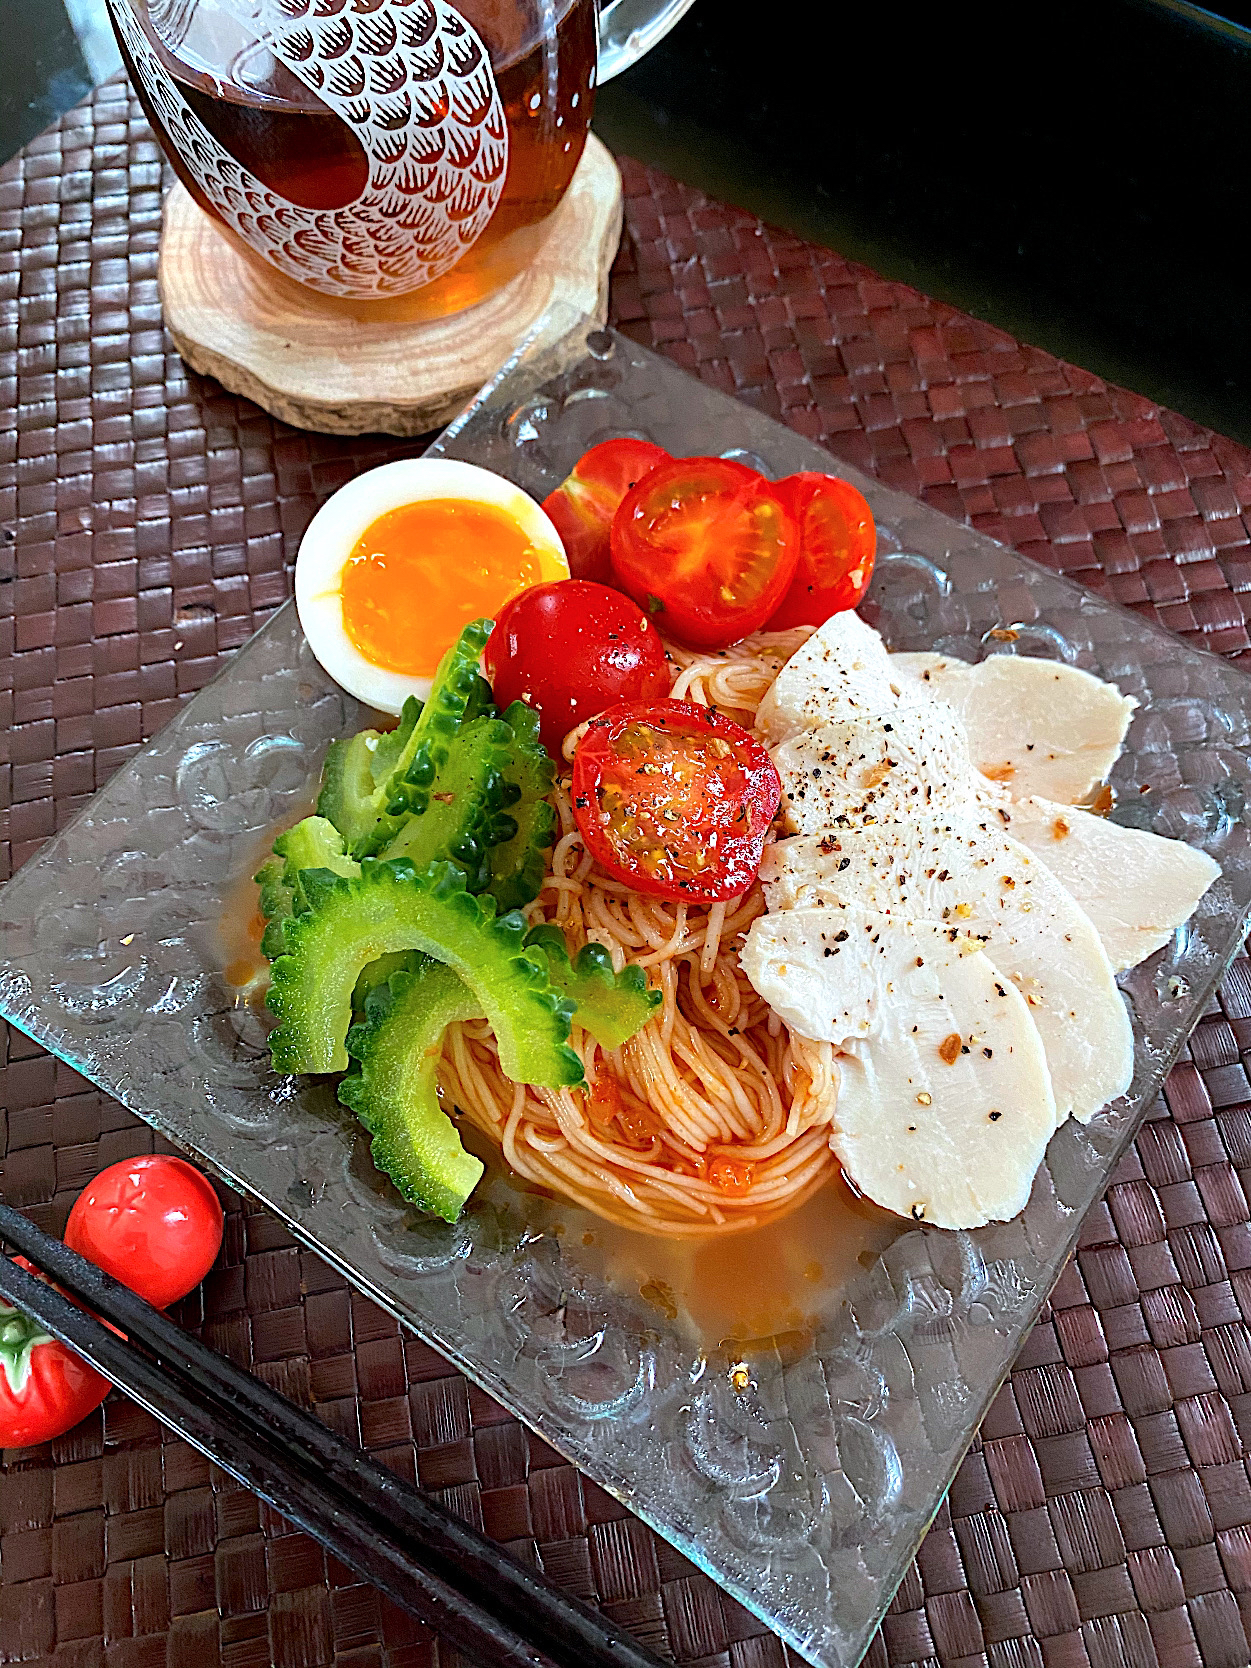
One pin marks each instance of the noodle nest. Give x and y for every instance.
(714, 1117)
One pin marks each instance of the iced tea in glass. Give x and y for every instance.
(406, 155)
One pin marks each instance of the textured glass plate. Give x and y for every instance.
(807, 1492)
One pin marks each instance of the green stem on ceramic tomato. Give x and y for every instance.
(45, 1388)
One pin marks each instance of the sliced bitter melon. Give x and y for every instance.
(364, 773)
(385, 757)
(314, 843)
(462, 814)
(481, 703)
(393, 906)
(393, 1090)
(357, 770)
(517, 863)
(347, 784)
(276, 903)
(611, 1006)
(457, 690)
(378, 972)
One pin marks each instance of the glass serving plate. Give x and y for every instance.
(792, 1433)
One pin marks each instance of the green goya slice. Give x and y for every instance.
(393, 1088)
(314, 843)
(517, 863)
(405, 791)
(357, 771)
(379, 972)
(276, 904)
(481, 703)
(462, 815)
(348, 786)
(368, 780)
(611, 1006)
(393, 906)
(386, 753)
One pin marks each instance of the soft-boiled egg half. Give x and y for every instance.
(402, 558)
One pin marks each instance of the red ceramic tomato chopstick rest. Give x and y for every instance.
(155, 1224)
(45, 1387)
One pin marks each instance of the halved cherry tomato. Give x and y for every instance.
(705, 546)
(154, 1223)
(570, 649)
(583, 505)
(674, 798)
(45, 1388)
(837, 544)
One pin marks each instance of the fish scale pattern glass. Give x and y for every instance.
(802, 1477)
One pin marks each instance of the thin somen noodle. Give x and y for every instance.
(714, 1116)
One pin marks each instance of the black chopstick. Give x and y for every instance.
(485, 1602)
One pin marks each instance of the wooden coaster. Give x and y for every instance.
(316, 364)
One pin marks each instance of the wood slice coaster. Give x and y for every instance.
(314, 364)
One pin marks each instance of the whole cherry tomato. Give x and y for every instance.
(706, 548)
(674, 798)
(583, 506)
(571, 648)
(45, 1388)
(837, 544)
(154, 1223)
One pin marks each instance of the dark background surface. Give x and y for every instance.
(42, 69)
(1112, 139)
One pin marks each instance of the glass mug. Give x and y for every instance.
(402, 154)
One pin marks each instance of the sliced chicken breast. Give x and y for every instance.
(918, 666)
(842, 671)
(976, 879)
(1137, 888)
(905, 761)
(945, 1103)
(1035, 726)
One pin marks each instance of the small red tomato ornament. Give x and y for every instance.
(154, 1223)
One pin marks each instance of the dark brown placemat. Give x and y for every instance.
(147, 522)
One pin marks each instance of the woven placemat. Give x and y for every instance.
(147, 524)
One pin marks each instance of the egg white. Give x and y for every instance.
(338, 527)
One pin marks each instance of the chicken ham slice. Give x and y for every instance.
(1034, 726)
(842, 671)
(903, 762)
(967, 873)
(945, 1103)
(1137, 888)
(942, 919)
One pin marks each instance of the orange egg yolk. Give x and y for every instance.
(419, 574)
